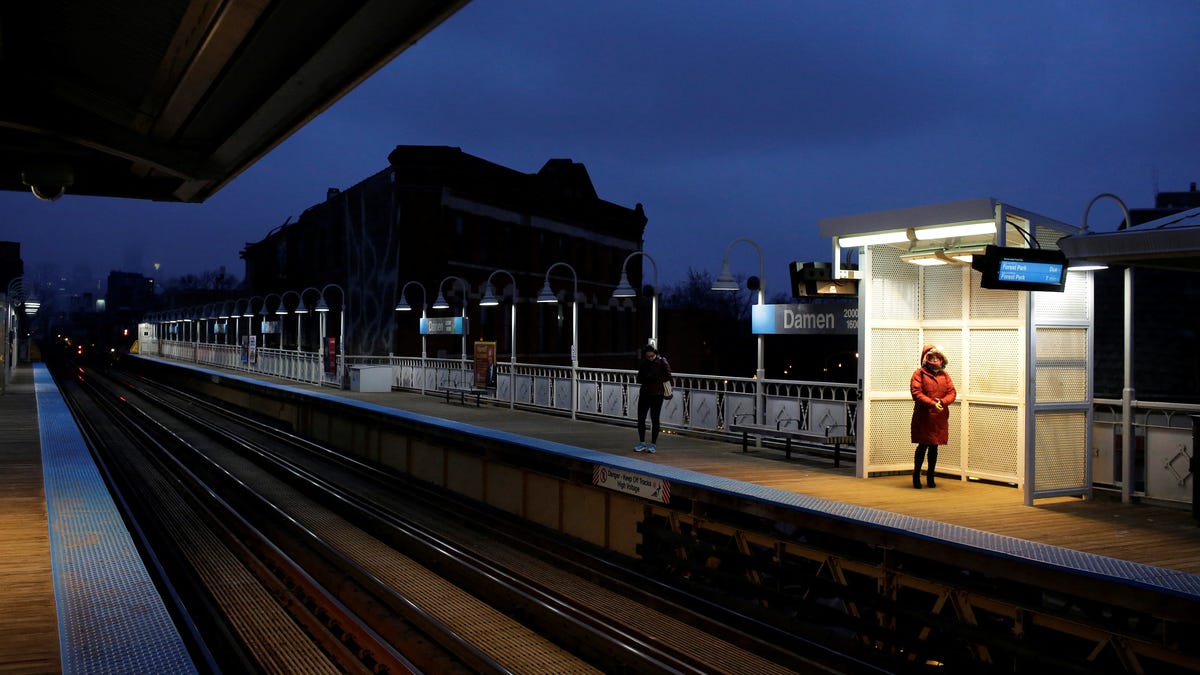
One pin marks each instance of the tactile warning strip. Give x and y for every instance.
(111, 618)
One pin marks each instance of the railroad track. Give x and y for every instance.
(373, 572)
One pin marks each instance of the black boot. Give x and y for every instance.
(933, 453)
(917, 478)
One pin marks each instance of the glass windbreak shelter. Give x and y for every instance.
(1020, 359)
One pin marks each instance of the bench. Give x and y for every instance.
(788, 435)
(464, 392)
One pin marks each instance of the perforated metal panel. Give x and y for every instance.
(890, 438)
(951, 342)
(1061, 457)
(943, 290)
(893, 285)
(1072, 303)
(893, 355)
(993, 435)
(995, 366)
(1062, 374)
(988, 303)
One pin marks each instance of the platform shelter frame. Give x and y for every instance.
(1021, 360)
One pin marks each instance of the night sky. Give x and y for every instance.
(725, 120)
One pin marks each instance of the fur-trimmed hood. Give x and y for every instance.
(933, 349)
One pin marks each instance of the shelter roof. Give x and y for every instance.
(170, 100)
(1170, 242)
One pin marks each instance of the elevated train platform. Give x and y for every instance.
(1152, 552)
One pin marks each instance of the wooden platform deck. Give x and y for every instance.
(1152, 535)
(28, 617)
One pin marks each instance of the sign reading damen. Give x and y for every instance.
(444, 325)
(823, 318)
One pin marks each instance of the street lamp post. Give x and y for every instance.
(223, 316)
(625, 290)
(249, 314)
(441, 303)
(726, 282)
(236, 315)
(282, 312)
(264, 312)
(490, 300)
(302, 309)
(547, 296)
(322, 307)
(1127, 391)
(403, 306)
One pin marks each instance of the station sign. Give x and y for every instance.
(444, 325)
(821, 318)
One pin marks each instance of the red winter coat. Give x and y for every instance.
(930, 425)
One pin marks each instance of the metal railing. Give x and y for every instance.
(707, 405)
(703, 404)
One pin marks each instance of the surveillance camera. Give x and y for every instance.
(48, 182)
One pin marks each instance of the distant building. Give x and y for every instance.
(11, 265)
(436, 212)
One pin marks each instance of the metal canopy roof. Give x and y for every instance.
(1171, 242)
(171, 99)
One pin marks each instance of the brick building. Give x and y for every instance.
(437, 212)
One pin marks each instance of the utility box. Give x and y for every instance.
(371, 378)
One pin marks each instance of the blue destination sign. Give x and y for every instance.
(825, 318)
(444, 325)
(1029, 271)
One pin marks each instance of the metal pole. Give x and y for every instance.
(512, 352)
(575, 351)
(1127, 395)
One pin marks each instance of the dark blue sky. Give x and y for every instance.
(725, 120)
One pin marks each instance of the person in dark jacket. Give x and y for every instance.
(653, 372)
(932, 392)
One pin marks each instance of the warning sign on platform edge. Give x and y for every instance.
(636, 484)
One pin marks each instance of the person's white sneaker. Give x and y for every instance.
(651, 449)
(640, 447)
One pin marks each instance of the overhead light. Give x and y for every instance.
(489, 298)
(441, 303)
(960, 230)
(301, 308)
(942, 256)
(725, 282)
(546, 295)
(1085, 265)
(857, 240)
(403, 306)
(924, 258)
(624, 289)
(321, 306)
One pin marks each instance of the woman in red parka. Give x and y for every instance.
(932, 392)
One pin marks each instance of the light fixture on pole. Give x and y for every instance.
(547, 296)
(1127, 391)
(441, 303)
(489, 300)
(282, 311)
(625, 290)
(726, 282)
(264, 313)
(403, 306)
(341, 365)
